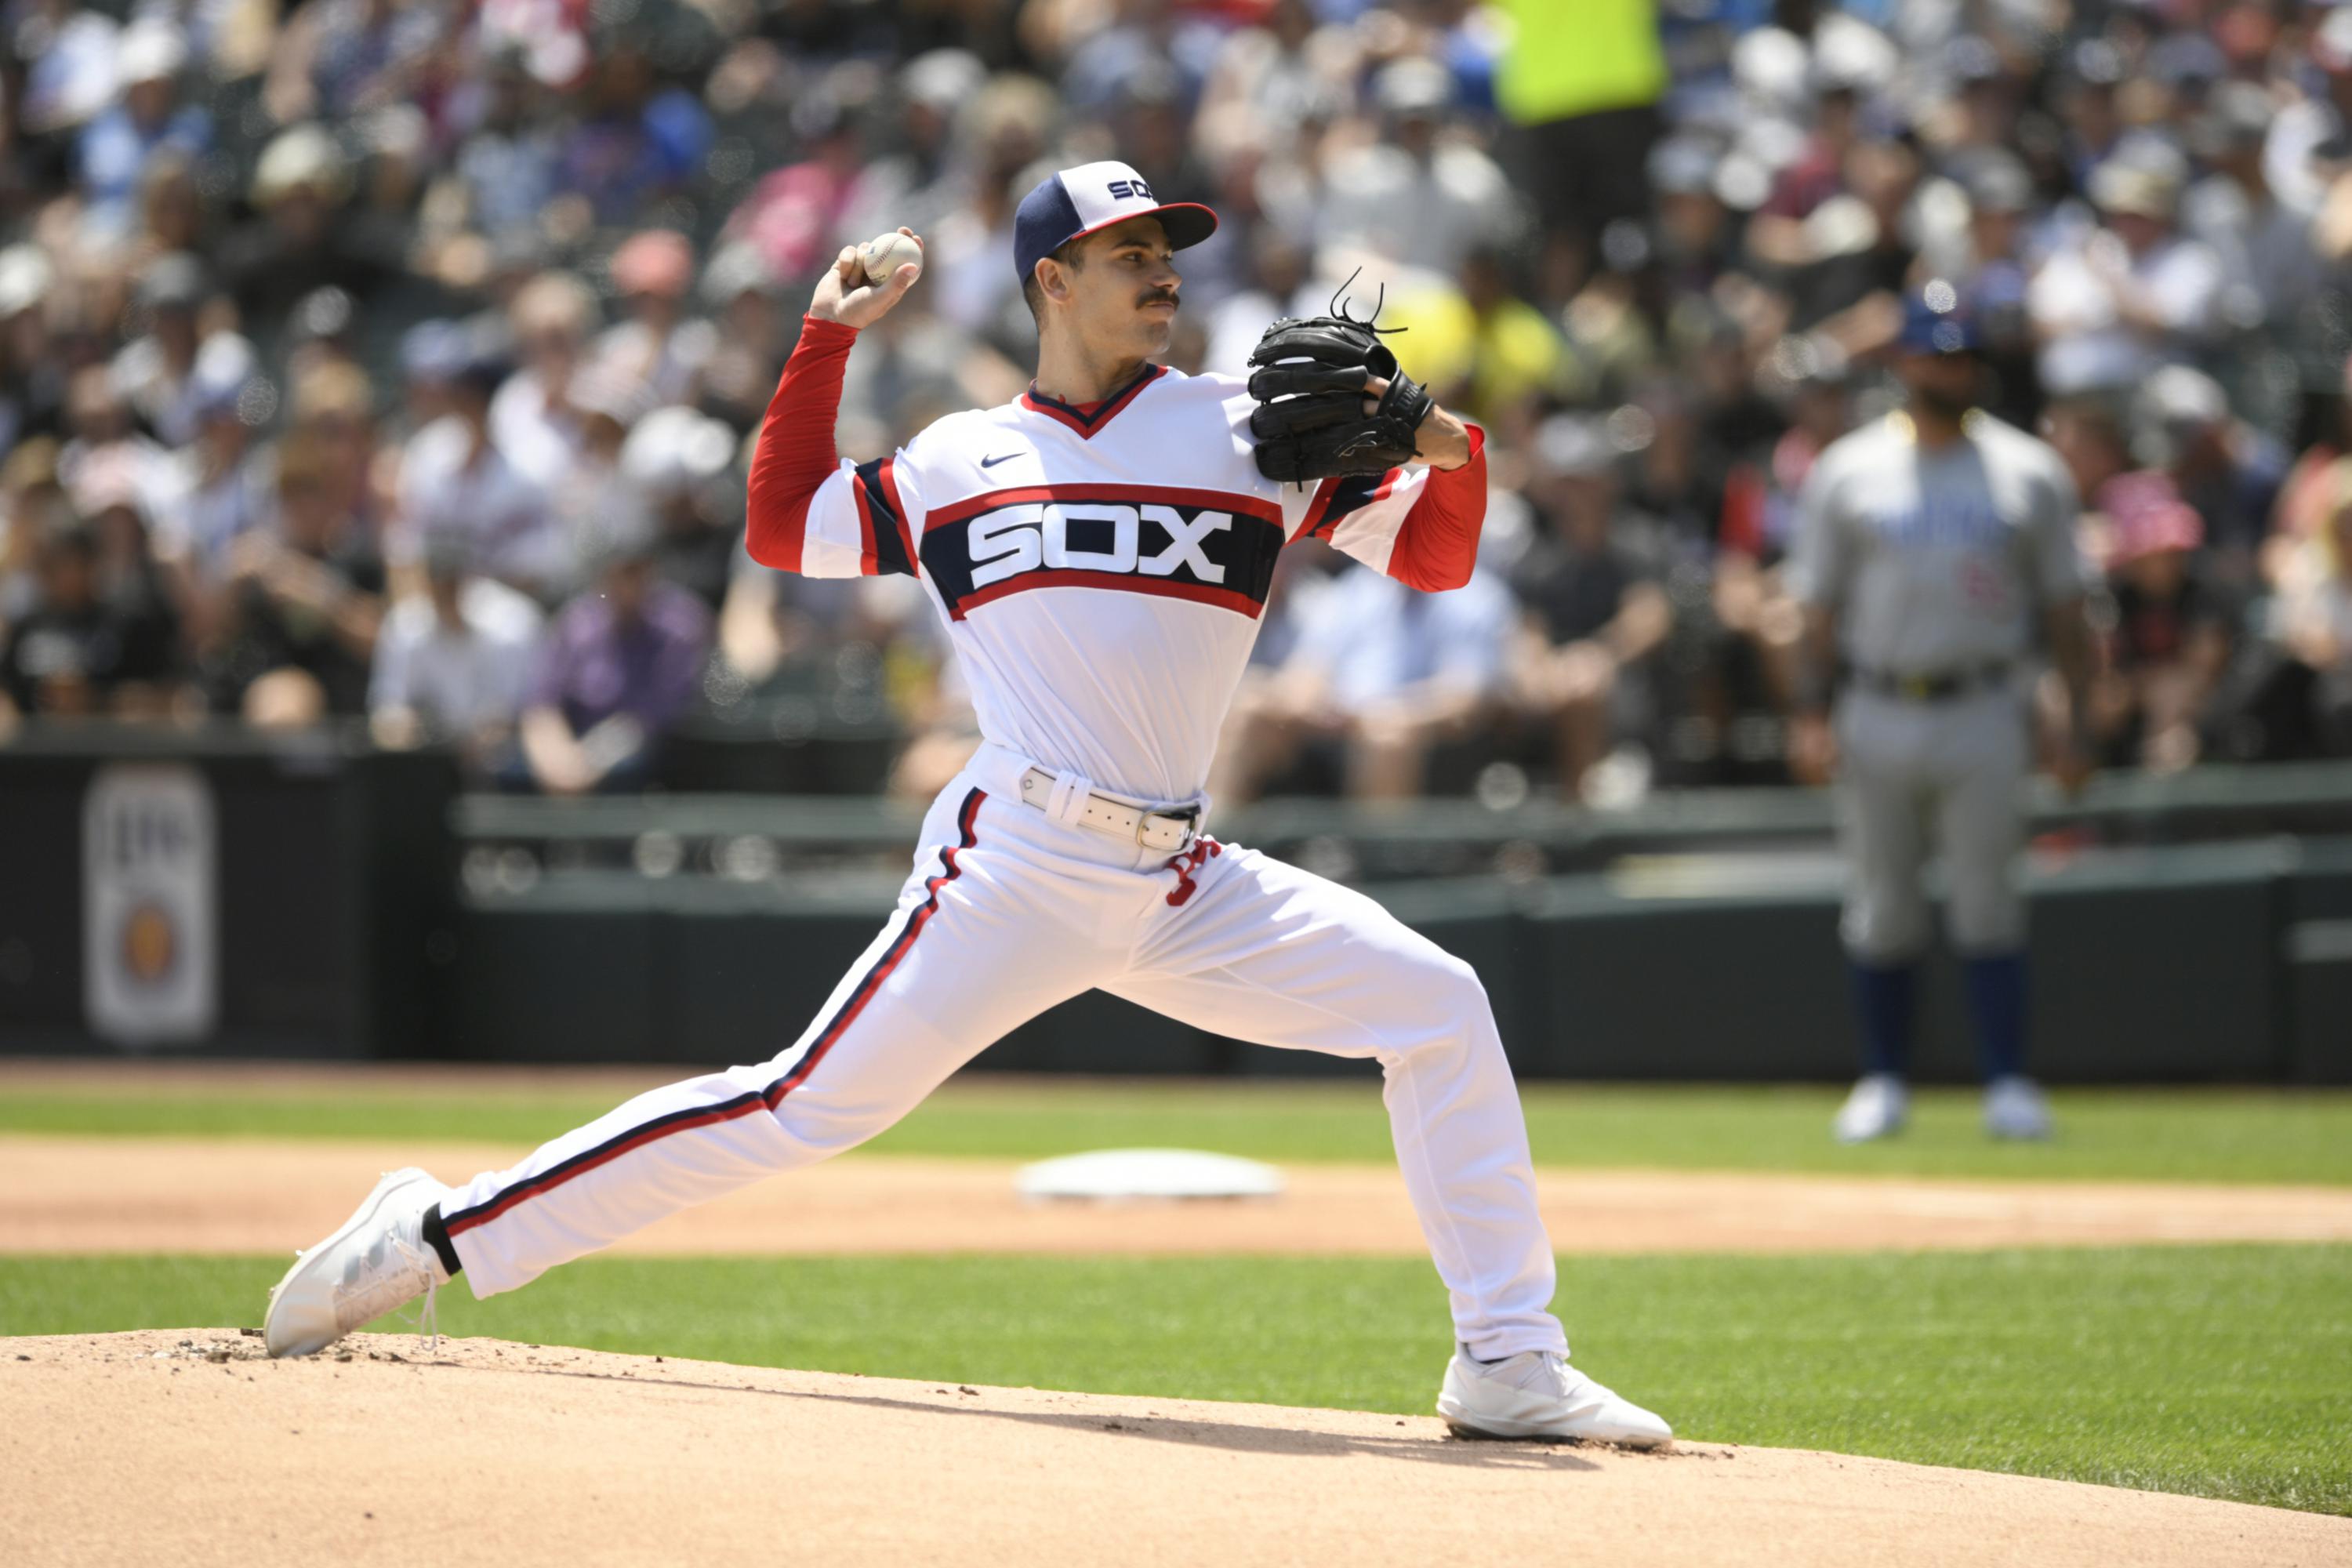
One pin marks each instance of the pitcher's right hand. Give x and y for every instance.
(842, 294)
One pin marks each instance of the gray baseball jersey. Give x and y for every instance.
(1933, 561)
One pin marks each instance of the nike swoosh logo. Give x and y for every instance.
(992, 462)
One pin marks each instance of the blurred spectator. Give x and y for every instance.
(2087, 433)
(2169, 627)
(2221, 466)
(118, 146)
(69, 68)
(794, 216)
(1987, 264)
(455, 476)
(1379, 677)
(1276, 84)
(675, 459)
(2315, 623)
(103, 437)
(586, 493)
(752, 335)
(1518, 359)
(532, 420)
(32, 381)
(2265, 242)
(655, 345)
(506, 172)
(301, 242)
(301, 605)
(926, 177)
(1417, 197)
(167, 373)
(964, 263)
(1586, 95)
(331, 406)
(2130, 295)
(618, 668)
(72, 653)
(32, 506)
(225, 486)
(453, 663)
(640, 138)
(1592, 608)
(337, 58)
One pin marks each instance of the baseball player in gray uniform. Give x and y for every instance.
(1934, 549)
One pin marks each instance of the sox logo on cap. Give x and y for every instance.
(1074, 203)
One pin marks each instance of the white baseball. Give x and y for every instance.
(886, 253)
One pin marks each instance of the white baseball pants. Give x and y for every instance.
(1008, 913)
(1916, 776)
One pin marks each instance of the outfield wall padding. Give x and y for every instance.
(2154, 967)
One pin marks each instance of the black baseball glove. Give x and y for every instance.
(1309, 376)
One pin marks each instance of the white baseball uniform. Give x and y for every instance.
(1101, 573)
(1937, 565)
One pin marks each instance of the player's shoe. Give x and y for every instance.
(1537, 1395)
(1877, 1108)
(378, 1260)
(2015, 1107)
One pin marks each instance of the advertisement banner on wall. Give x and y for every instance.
(150, 905)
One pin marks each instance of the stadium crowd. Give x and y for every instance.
(400, 358)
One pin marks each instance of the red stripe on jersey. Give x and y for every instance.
(1164, 587)
(1214, 500)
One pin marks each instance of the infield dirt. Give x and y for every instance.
(187, 1446)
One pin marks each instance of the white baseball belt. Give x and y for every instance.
(1170, 832)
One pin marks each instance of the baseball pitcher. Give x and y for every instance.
(1934, 548)
(1100, 550)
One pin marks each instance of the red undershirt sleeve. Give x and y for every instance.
(1437, 542)
(796, 453)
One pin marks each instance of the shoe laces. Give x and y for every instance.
(393, 1273)
(427, 1318)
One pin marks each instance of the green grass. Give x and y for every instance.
(2148, 1135)
(2224, 1372)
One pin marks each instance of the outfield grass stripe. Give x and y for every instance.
(2241, 1136)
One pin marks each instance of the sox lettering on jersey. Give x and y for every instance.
(1027, 534)
(1206, 546)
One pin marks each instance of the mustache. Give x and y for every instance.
(1156, 296)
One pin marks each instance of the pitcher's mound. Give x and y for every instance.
(188, 1446)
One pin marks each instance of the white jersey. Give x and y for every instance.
(1936, 560)
(1101, 572)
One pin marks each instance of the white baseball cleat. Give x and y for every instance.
(1537, 1395)
(1878, 1106)
(2014, 1107)
(378, 1260)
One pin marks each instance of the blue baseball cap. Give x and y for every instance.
(1078, 202)
(1935, 322)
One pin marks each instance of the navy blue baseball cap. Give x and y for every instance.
(1935, 322)
(1078, 202)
